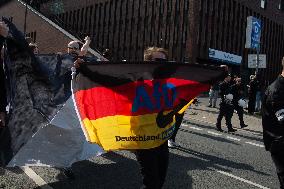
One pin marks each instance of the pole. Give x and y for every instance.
(257, 59)
(25, 22)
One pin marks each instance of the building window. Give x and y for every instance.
(281, 5)
(263, 4)
(32, 35)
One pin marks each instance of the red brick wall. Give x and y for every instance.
(48, 38)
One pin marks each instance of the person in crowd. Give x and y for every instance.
(154, 162)
(213, 95)
(3, 34)
(33, 47)
(225, 67)
(107, 54)
(258, 97)
(252, 89)
(5, 150)
(226, 106)
(29, 40)
(238, 102)
(172, 141)
(74, 50)
(273, 123)
(74, 47)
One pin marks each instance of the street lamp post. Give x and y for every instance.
(25, 22)
(257, 59)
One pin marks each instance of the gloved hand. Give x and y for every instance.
(229, 97)
(242, 103)
(280, 115)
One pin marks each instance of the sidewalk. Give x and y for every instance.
(208, 114)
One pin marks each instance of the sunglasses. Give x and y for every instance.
(160, 60)
(72, 48)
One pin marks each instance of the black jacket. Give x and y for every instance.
(273, 102)
(2, 81)
(224, 88)
(237, 91)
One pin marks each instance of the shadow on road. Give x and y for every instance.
(15, 170)
(205, 161)
(209, 136)
(235, 134)
(122, 173)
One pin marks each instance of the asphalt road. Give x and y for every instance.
(205, 159)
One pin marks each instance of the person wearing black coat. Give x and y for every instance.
(5, 151)
(226, 106)
(273, 123)
(253, 87)
(237, 91)
(3, 34)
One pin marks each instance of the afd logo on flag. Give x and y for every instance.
(164, 95)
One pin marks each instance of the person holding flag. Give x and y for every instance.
(154, 162)
(142, 100)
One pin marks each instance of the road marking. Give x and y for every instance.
(241, 179)
(213, 133)
(218, 134)
(37, 179)
(194, 128)
(232, 138)
(255, 144)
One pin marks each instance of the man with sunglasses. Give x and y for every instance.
(74, 47)
(74, 52)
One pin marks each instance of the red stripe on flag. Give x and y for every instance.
(136, 98)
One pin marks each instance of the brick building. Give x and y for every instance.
(49, 37)
(188, 28)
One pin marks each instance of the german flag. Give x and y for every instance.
(131, 105)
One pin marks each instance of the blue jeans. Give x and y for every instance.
(258, 101)
(213, 96)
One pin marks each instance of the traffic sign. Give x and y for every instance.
(252, 61)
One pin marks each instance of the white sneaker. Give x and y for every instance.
(172, 144)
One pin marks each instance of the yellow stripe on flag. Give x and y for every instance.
(127, 132)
